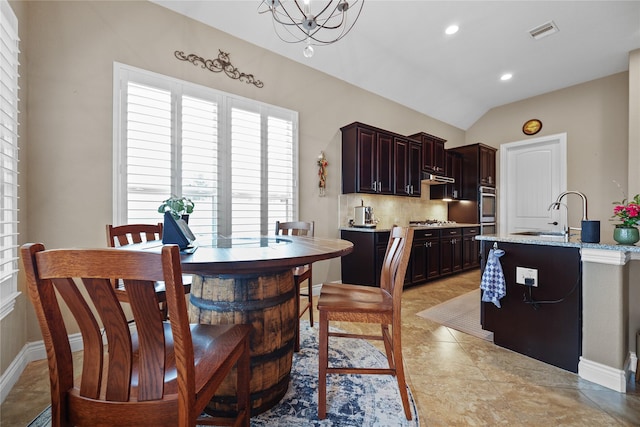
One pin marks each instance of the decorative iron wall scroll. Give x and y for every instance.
(218, 65)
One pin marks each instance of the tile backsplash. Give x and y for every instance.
(390, 210)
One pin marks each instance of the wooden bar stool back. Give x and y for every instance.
(300, 273)
(157, 373)
(367, 304)
(123, 235)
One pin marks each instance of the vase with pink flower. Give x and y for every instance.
(628, 212)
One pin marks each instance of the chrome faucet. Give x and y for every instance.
(556, 205)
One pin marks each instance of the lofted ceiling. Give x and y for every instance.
(398, 49)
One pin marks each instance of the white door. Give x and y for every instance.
(532, 174)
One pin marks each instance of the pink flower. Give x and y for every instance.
(628, 213)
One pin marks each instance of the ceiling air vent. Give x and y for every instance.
(543, 30)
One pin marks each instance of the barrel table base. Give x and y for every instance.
(267, 303)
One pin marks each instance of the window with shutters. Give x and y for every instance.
(234, 157)
(9, 50)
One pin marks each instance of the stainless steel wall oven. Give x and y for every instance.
(488, 209)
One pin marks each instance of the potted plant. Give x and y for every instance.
(179, 207)
(629, 213)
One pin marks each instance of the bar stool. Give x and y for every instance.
(300, 273)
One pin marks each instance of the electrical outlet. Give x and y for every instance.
(527, 276)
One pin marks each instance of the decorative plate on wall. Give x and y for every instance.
(531, 127)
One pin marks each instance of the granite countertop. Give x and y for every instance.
(420, 227)
(606, 243)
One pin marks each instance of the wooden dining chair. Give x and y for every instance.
(162, 373)
(123, 235)
(367, 304)
(300, 273)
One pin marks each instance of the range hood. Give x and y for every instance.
(433, 179)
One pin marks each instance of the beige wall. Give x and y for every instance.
(595, 117)
(66, 121)
(634, 122)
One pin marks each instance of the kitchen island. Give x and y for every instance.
(600, 334)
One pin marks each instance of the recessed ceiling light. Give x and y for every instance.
(451, 29)
(506, 76)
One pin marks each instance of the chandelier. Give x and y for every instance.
(317, 22)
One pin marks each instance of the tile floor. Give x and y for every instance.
(456, 379)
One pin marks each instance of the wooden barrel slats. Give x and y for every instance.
(265, 301)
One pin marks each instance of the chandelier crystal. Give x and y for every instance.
(315, 22)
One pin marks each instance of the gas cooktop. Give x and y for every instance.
(430, 223)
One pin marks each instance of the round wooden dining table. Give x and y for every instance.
(250, 280)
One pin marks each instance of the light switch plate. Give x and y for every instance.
(527, 276)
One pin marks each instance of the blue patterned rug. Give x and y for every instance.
(352, 400)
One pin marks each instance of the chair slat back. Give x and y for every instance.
(396, 260)
(295, 228)
(133, 233)
(83, 279)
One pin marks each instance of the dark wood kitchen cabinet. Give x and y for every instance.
(435, 252)
(433, 152)
(425, 255)
(450, 251)
(408, 166)
(478, 169)
(367, 160)
(487, 165)
(470, 248)
(364, 264)
(453, 170)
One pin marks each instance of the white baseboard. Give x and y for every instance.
(604, 375)
(31, 352)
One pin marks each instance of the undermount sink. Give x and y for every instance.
(540, 233)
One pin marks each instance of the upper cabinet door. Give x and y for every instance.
(385, 172)
(401, 154)
(487, 166)
(433, 153)
(415, 168)
(367, 160)
(367, 145)
(408, 166)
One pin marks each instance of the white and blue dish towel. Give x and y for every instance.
(493, 284)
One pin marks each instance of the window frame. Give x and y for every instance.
(9, 29)
(124, 73)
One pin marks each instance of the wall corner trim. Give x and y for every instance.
(604, 256)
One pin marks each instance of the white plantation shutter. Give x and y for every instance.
(199, 168)
(281, 169)
(234, 157)
(246, 172)
(148, 153)
(9, 52)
